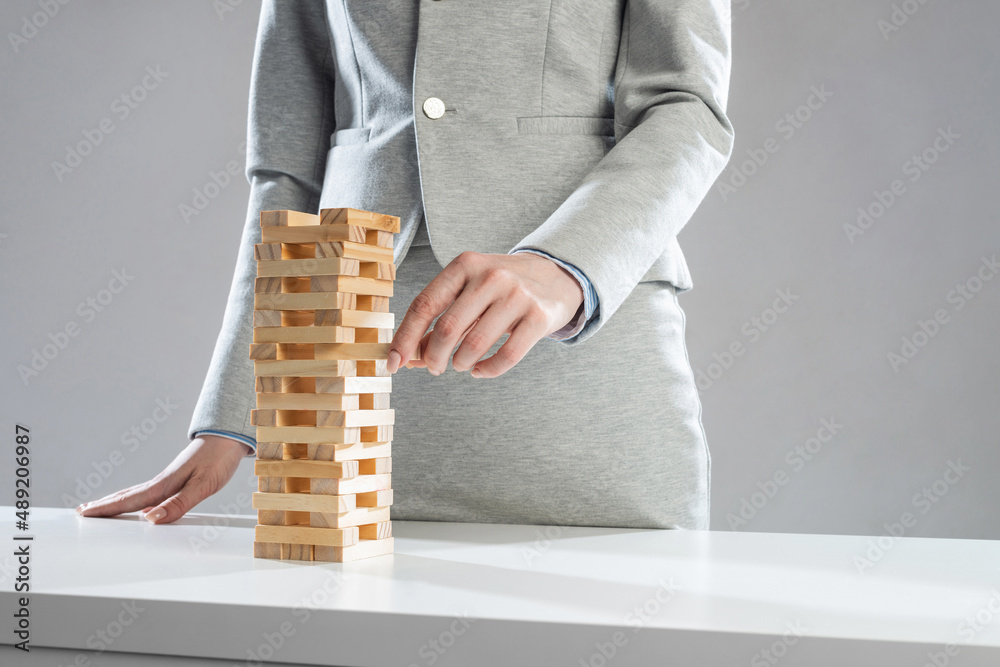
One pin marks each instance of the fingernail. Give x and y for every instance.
(475, 373)
(155, 514)
(433, 372)
(80, 508)
(394, 360)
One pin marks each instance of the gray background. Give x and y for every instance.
(780, 227)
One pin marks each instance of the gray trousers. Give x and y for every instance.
(604, 433)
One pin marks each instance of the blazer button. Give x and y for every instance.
(433, 107)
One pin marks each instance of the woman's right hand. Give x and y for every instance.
(199, 470)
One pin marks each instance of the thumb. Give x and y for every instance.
(177, 505)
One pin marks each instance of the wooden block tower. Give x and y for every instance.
(321, 333)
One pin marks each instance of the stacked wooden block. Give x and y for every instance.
(321, 333)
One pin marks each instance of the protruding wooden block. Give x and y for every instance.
(363, 549)
(360, 218)
(306, 468)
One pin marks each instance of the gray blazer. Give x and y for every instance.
(589, 129)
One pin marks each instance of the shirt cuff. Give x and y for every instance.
(589, 306)
(235, 436)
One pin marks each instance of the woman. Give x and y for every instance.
(542, 157)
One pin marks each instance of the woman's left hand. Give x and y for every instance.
(479, 298)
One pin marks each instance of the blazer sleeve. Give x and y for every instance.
(291, 118)
(673, 139)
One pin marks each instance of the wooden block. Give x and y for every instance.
(266, 550)
(353, 418)
(267, 517)
(263, 418)
(266, 318)
(380, 270)
(375, 304)
(363, 549)
(354, 385)
(288, 219)
(355, 451)
(307, 401)
(333, 537)
(374, 498)
(297, 552)
(379, 238)
(268, 384)
(377, 466)
(263, 351)
(376, 433)
(352, 351)
(360, 218)
(356, 517)
(356, 318)
(376, 531)
(354, 485)
(313, 234)
(311, 434)
(307, 334)
(373, 368)
(269, 451)
(305, 268)
(304, 301)
(369, 335)
(303, 502)
(351, 285)
(373, 401)
(267, 285)
(305, 368)
(306, 468)
(271, 484)
(266, 252)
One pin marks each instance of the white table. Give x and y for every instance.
(487, 594)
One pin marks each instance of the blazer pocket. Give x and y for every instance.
(350, 135)
(595, 125)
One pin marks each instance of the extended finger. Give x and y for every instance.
(427, 305)
(455, 323)
(494, 323)
(528, 331)
(127, 500)
(178, 504)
